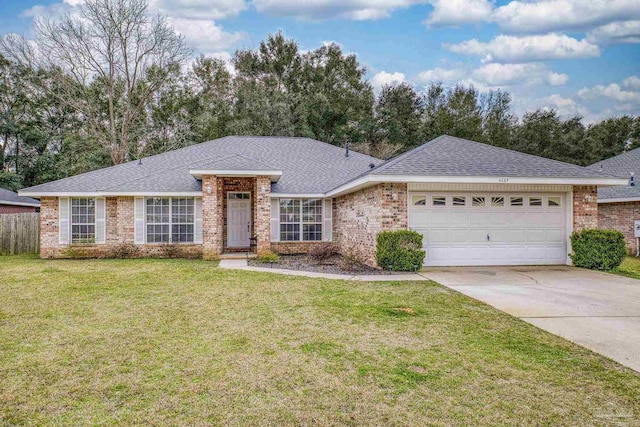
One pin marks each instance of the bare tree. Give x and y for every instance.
(110, 57)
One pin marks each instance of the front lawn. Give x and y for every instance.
(630, 267)
(178, 342)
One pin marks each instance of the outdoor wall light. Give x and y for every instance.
(263, 190)
(209, 189)
(588, 198)
(394, 196)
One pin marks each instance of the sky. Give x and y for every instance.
(579, 57)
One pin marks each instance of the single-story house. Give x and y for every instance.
(10, 202)
(475, 204)
(619, 207)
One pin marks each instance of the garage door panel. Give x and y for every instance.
(457, 235)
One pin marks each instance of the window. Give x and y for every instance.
(535, 201)
(419, 200)
(312, 220)
(300, 220)
(83, 220)
(553, 201)
(439, 201)
(516, 201)
(240, 196)
(478, 201)
(497, 201)
(459, 200)
(170, 220)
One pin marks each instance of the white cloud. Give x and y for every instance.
(359, 10)
(383, 78)
(205, 36)
(526, 49)
(441, 75)
(198, 9)
(632, 83)
(612, 91)
(456, 12)
(563, 15)
(616, 32)
(511, 74)
(564, 106)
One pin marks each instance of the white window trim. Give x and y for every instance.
(301, 222)
(170, 223)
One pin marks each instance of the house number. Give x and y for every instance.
(503, 179)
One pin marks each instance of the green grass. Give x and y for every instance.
(630, 267)
(181, 342)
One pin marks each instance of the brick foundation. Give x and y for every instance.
(358, 218)
(293, 248)
(620, 216)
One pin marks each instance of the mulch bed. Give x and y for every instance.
(333, 265)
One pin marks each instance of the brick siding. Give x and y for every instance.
(358, 218)
(585, 207)
(293, 248)
(9, 209)
(620, 216)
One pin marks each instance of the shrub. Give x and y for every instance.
(322, 252)
(78, 251)
(598, 249)
(268, 256)
(399, 250)
(123, 250)
(173, 250)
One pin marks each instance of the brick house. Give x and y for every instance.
(11, 202)
(475, 204)
(619, 207)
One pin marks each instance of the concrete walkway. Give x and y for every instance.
(241, 264)
(596, 310)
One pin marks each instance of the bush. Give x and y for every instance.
(399, 250)
(79, 251)
(123, 250)
(322, 252)
(268, 256)
(598, 249)
(174, 250)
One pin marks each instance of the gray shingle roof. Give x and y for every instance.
(308, 166)
(622, 165)
(451, 156)
(8, 197)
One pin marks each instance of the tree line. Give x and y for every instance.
(112, 85)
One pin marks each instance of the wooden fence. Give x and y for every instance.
(19, 233)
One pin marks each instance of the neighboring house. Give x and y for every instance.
(475, 204)
(619, 207)
(10, 202)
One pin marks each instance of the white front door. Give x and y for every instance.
(481, 228)
(238, 222)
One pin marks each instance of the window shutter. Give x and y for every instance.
(327, 220)
(63, 220)
(138, 209)
(101, 220)
(197, 238)
(275, 220)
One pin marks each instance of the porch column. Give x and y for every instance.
(211, 217)
(262, 209)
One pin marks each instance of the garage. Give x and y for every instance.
(490, 228)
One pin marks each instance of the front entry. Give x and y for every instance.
(238, 220)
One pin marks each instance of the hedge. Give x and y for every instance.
(399, 250)
(598, 249)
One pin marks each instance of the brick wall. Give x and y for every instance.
(239, 185)
(585, 207)
(7, 209)
(212, 225)
(119, 229)
(358, 218)
(293, 248)
(620, 216)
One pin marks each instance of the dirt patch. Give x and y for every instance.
(333, 265)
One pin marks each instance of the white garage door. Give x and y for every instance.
(490, 228)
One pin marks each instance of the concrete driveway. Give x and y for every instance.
(596, 310)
